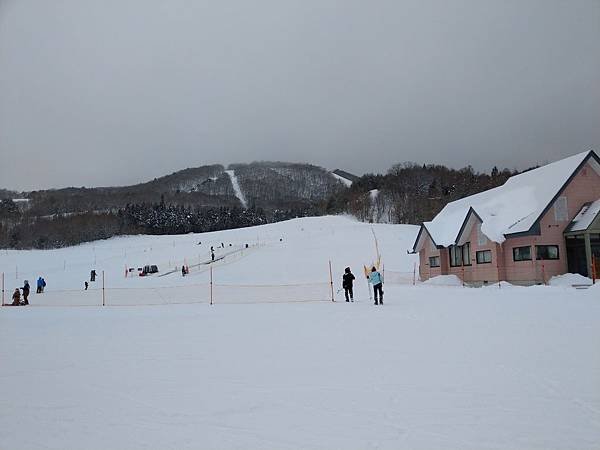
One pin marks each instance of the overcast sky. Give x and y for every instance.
(107, 92)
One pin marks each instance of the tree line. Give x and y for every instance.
(408, 193)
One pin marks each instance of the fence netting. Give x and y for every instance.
(189, 294)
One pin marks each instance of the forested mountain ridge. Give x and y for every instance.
(204, 199)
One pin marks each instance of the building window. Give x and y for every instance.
(455, 255)
(434, 261)
(484, 256)
(546, 251)
(522, 254)
(466, 254)
(561, 211)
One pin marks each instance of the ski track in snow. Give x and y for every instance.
(236, 187)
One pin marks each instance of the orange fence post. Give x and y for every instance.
(543, 274)
(331, 281)
(103, 295)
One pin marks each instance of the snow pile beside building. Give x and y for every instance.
(444, 280)
(570, 279)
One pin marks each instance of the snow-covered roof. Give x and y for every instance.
(585, 217)
(346, 181)
(511, 208)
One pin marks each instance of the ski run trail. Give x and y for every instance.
(236, 188)
(274, 363)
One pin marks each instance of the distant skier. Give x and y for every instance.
(93, 275)
(183, 271)
(16, 297)
(40, 285)
(212, 256)
(26, 288)
(347, 284)
(85, 283)
(377, 281)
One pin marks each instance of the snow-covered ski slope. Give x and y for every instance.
(236, 188)
(436, 367)
(284, 261)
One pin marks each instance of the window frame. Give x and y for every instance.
(537, 256)
(466, 247)
(437, 257)
(482, 252)
(514, 249)
(457, 251)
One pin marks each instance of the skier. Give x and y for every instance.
(212, 255)
(85, 283)
(377, 281)
(16, 297)
(43, 284)
(93, 275)
(347, 281)
(183, 271)
(40, 289)
(26, 290)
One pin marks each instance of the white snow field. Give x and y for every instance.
(435, 367)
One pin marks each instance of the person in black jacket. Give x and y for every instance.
(26, 288)
(347, 283)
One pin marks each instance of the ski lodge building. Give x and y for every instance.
(540, 223)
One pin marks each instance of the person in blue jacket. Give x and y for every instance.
(41, 284)
(377, 281)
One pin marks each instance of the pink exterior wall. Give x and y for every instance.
(478, 272)
(426, 272)
(584, 187)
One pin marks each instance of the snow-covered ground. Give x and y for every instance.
(236, 188)
(437, 367)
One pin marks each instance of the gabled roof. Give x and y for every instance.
(585, 217)
(513, 208)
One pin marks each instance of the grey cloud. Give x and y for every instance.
(115, 92)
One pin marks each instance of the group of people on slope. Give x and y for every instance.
(18, 300)
(375, 279)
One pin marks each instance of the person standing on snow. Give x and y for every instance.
(347, 283)
(39, 286)
(377, 281)
(26, 290)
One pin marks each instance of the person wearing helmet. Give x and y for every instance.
(347, 284)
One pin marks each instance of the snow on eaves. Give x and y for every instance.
(511, 208)
(585, 217)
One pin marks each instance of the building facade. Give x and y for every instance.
(541, 223)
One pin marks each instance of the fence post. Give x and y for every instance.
(414, 273)
(543, 273)
(331, 281)
(211, 284)
(103, 295)
(2, 288)
(462, 269)
(593, 274)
